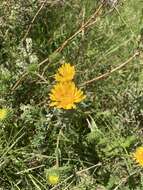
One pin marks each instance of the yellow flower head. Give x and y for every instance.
(65, 73)
(138, 155)
(3, 114)
(53, 179)
(65, 95)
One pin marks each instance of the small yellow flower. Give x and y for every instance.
(65, 73)
(138, 155)
(65, 95)
(53, 179)
(3, 114)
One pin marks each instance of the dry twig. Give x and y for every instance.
(111, 71)
(83, 27)
(77, 173)
(87, 24)
(34, 18)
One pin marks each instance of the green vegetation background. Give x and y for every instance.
(90, 147)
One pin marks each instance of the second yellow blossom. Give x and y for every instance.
(138, 155)
(3, 114)
(65, 73)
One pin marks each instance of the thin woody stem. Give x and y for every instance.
(85, 25)
(34, 18)
(111, 71)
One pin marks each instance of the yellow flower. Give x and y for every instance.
(52, 176)
(3, 114)
(65, 95)
(138, 155)
(53, 179)
(65, 73)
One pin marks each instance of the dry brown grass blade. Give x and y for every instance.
(19, 81)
